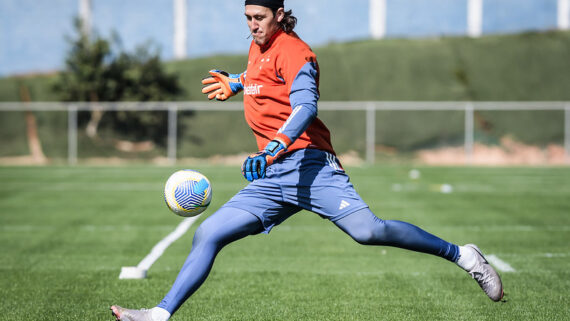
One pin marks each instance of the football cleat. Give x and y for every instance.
(122, 314)
(487, 278)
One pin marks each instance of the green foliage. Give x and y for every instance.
(86, 73)
(94, 72)
(531, 66)
(521, 67)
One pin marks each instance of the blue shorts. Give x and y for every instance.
(308, 179)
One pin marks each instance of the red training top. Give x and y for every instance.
(282, 80)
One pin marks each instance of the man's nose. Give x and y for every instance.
(254, 25)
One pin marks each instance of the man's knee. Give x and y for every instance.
(205, 235)
(365, 235)
(362, 236)
(364, 227)
(369, 234)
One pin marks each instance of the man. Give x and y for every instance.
(295, 169)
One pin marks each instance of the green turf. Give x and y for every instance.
(66, 232)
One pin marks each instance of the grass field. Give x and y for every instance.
(66, 232)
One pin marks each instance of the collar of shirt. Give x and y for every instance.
(268, 44)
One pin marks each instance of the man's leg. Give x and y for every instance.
(218, 230)
(365, 228)
(223, 227)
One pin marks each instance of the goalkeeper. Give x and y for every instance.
(296, 167)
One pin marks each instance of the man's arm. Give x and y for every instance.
(303, 96)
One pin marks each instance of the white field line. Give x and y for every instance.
(161, 246)
(550, 255)
(500, 264)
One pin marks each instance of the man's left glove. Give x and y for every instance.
(255, 164)
(221, 85)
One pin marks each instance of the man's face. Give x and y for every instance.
(262, 23)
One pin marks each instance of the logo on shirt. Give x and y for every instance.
(252, 89)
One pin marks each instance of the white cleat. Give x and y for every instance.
(122, 314)
(488, 279)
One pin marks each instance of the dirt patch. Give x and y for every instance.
(23, 160)
(509, 152)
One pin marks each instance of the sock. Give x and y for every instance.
(159, 314)
(467, 258)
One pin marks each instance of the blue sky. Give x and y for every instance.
(32, 32)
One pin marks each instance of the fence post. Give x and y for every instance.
(567, 132)
(469, 132)
(172, 132)
(370, 133)
(72, 135)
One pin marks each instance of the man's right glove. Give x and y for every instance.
(256, 164)
(222, 85)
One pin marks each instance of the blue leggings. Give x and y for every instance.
(231, 224)
(365, 228)
(218, 230)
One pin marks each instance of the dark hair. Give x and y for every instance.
(289, 21)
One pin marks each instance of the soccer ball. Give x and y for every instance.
(187, 193)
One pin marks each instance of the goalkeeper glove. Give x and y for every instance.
(221, 85)
(255, 164)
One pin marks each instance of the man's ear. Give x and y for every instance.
(280, 14)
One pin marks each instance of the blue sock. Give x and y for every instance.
(221, 228)
(365, 228)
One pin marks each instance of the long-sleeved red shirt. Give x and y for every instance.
(281, 93)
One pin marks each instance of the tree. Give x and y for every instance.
(95, 73)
